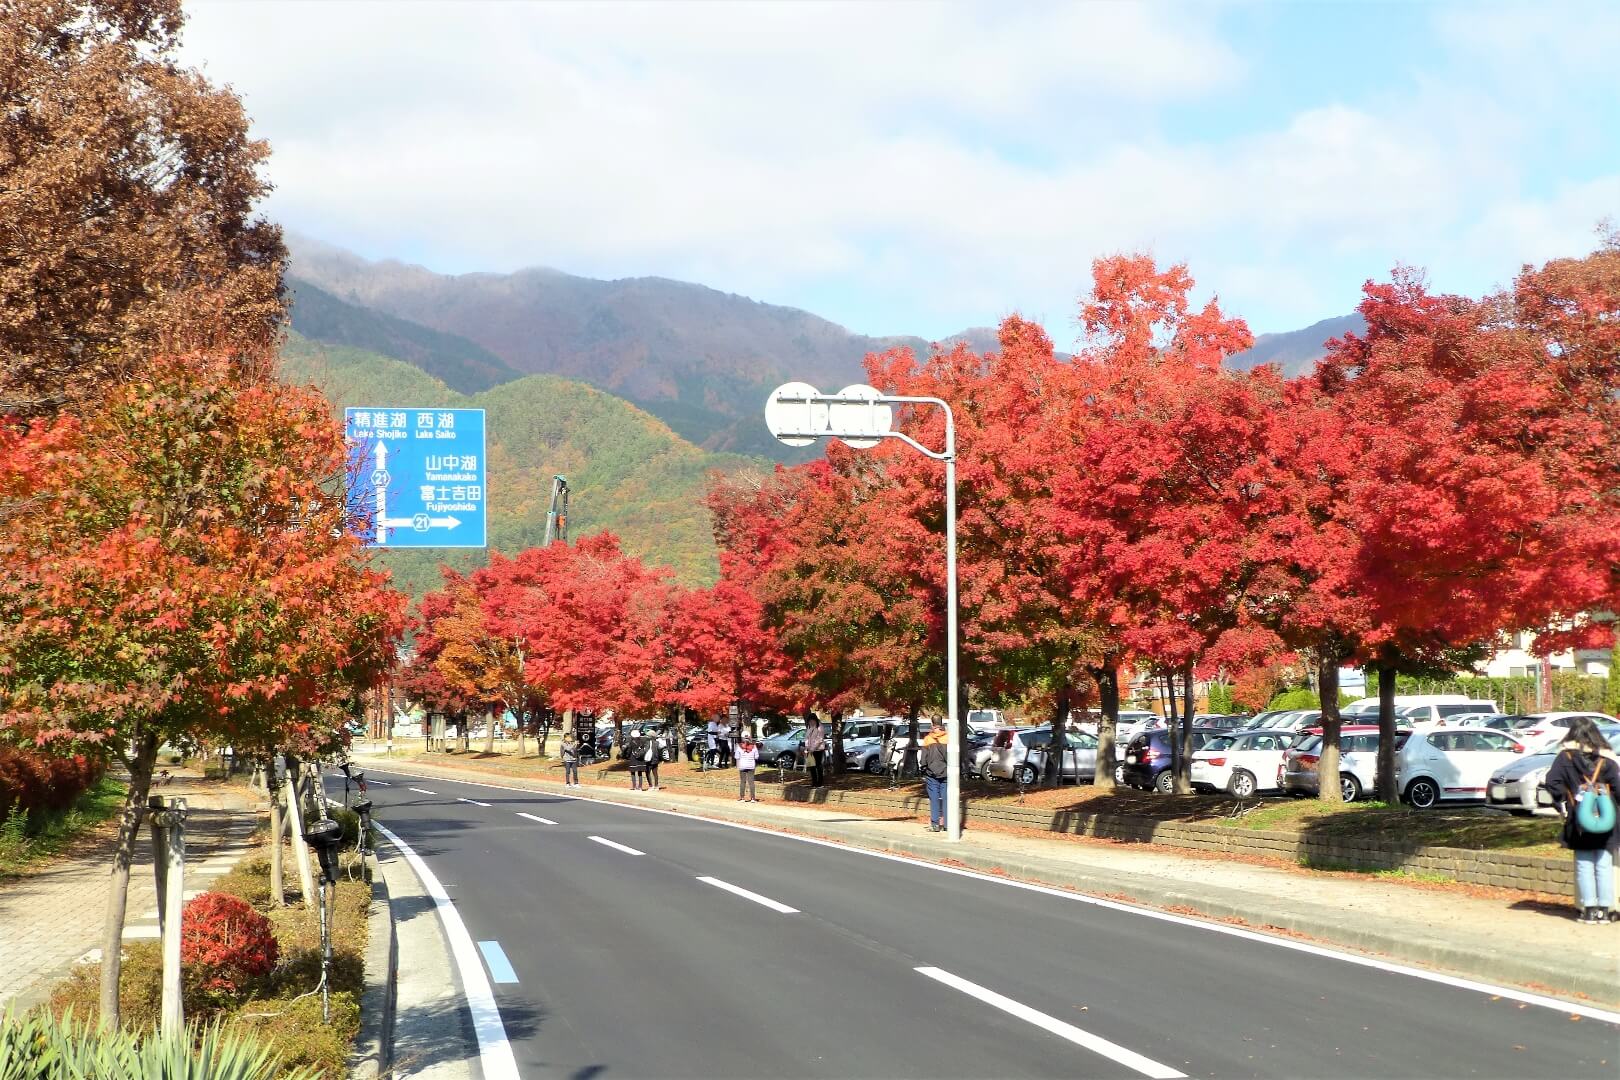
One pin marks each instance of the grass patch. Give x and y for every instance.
(28, 839)
(280, 1010)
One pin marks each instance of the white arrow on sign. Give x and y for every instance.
(420, 522)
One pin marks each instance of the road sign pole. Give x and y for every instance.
(953, 752)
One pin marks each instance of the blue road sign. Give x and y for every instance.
(419, 476)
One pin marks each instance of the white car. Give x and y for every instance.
(1544, 731)
(1439, 764)
(1241, 764)
(1518, 786)
(1294, 720)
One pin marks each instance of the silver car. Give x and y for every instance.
(1519, 786)
(1020, 754)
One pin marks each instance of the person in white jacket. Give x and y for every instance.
(747, 761)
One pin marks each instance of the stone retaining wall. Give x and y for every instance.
(1502, 869)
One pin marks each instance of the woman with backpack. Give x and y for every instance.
(1583, 780)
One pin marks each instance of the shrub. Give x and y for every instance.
(32, 781)
(1303, 698)
(46, 1047)
(224, 944)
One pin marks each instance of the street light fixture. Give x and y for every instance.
(798, 414)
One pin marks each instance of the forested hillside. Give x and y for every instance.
(629, 472)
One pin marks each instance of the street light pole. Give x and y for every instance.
(953, 749)
(860, 415)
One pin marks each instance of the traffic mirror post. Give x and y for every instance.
(798, 414)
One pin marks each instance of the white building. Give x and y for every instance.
(1516, 659)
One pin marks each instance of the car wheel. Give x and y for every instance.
(785, 760)
(874, 766)
(1026, 774)
(1423, 793)
(1242, 785)
(1349, 787)
(1165, 782)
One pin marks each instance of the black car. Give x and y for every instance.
(1147, 758)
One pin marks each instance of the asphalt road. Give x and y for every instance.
(635, 955)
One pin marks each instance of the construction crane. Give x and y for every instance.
(557, 516)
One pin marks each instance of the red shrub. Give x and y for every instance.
(34, 780)
(224, 943)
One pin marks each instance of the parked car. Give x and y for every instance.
(1294, 719)
(1519, 786)
(1241, 764)
(1366, 709)
(1444, 764)
(1020, 754)
(1147, 758)
(1539, 731)
(1358, 762)
(976, 754)
(785, 751)
(985, 721)
(1448, 712)
(1263, 719)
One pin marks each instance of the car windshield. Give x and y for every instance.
(1220, 742)
(1310, 745)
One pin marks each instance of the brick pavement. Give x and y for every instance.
(52, 918)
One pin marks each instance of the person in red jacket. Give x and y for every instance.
(1586, 768)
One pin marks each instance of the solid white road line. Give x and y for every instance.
(493, 1049)
(1493, 990)
(1095, 1043)
(422, 791)
(380, 783)
(746, 895)
(534, 817)
(617, 846)
(475, 802)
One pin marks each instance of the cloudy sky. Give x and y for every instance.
(918, 168)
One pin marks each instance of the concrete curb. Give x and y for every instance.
(373, 1046)
(1325, 925)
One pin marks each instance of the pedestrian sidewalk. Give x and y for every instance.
(1476, 933)
(52, 918)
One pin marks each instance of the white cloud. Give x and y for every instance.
(937, 165)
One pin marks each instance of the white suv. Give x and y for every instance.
(1439, 764)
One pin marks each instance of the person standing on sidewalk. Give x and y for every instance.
(747, 760)
(654, 754)
(1586, 768)
(933, 761)
(815, 749)
(635, 757)
(570, 759)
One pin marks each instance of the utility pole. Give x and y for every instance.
(557, 516)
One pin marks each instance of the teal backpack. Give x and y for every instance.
(1594, 804)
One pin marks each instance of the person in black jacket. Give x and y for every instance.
(1586, 762)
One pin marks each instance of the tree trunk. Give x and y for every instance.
(1053, 773)
(680, 735)
(908, 760)
(1327, 692)
(278, 886)
(1386, 728)
(489, 732)
(129, 827)
(838, 741)
(1107, 677)
(1189, 688)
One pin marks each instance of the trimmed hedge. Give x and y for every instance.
(33, 781)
